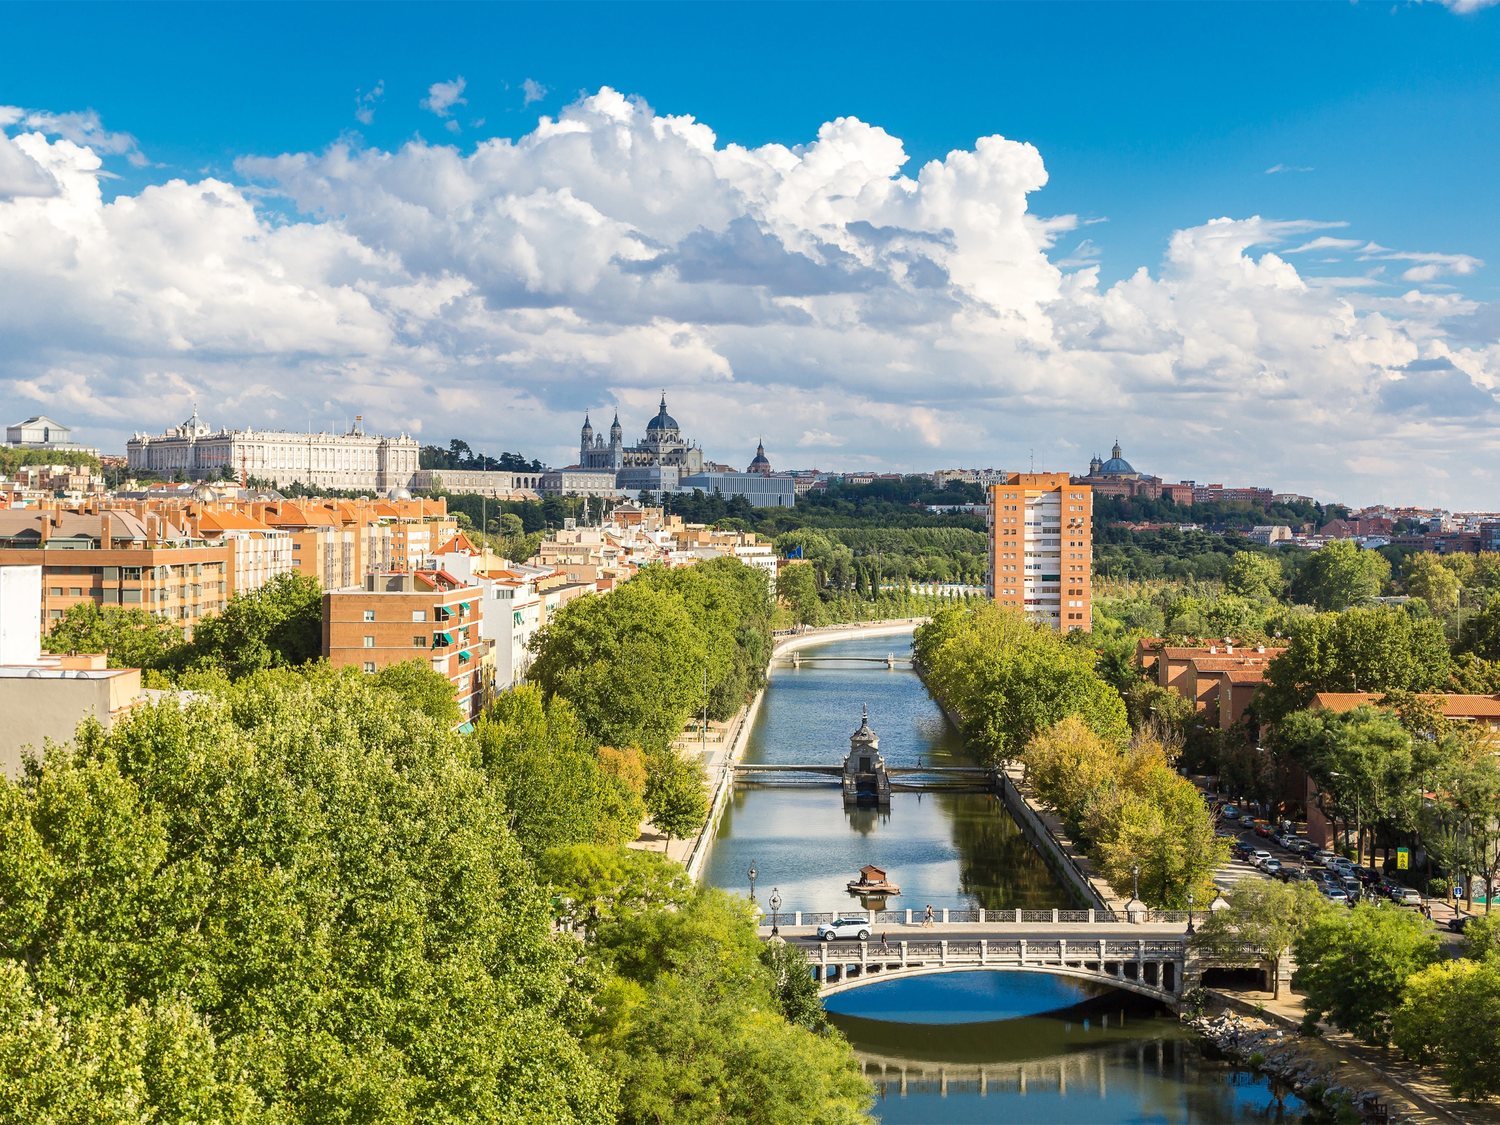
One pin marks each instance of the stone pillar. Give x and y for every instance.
(984, 948)
(1023, 951)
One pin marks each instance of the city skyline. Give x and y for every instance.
(1284, 281)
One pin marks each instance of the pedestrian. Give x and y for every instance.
(927, 917)
(883, 943)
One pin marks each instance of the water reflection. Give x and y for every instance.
(999, 1046)
(955, 850)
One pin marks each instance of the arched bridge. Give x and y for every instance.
(1148, 958)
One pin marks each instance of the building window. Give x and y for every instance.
(369, 665)
(419, 642)
(56, 591)
(54, 614)
(369, 615)
(369, 642)
(419, 615)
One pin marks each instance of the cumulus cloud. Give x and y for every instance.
(532, 91)
(1464, 7)
(443, 96)
(827, 291)
(365, 100)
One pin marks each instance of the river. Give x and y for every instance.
(960, 1047)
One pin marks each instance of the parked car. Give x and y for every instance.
(1259, 857)
(1325, 856)
(1241, 850)
(1304, 847)
(844, 928)
(1406, 896)
(1351, 888)
(1263, 828)
(1271, 865)
(1229, 812)
(1335, 894)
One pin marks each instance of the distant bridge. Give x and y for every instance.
(906, 779)
(890, 660)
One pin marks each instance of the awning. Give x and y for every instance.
(446, 638)
(465, 606)
(463, 657)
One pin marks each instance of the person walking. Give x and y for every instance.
(927, 917)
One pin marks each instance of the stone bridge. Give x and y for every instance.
(1150, 958)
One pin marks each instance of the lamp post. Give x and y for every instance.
(752, 873)
(775, 902)
(1135, 881)
(1191, 928)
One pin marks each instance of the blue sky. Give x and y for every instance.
(1150, 119)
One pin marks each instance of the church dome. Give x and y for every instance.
(761, 464)
(1116, 466)
(398, 493)
(204, 494)
(663, 420)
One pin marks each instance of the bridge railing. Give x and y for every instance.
(948, 916)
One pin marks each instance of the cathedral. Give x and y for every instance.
(662, 447)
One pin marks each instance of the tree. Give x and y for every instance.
(130, 638)
(1255, 576)
(1436, 584)
(676, 794)
(292, 900)
(630, 662)
(1264, 917)
(797, 589)
(1448, 1017)
(1374, 650)
(1340, 575)
(1354, 964)
(595, 884)
(279, 625)
(549, 771)
(421, 688)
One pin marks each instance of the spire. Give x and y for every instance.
(1115, 452)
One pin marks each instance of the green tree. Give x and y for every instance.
(421, 688)
(1264, 918)
(1340, 575)
(1353, 965)
(548, 770)
(630, 662)
(1427, 578)
(797, 589)
(279, 625)
(131, 638)
(595, 884)
(676, 794)
(313, 871)
(1381, 649)
(1255, 576)
(1447, 1017)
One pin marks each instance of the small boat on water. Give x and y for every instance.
(872, 881)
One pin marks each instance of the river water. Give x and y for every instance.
(960, 1047)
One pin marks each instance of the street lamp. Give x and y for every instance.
(1135, 881)
(1191, 928)
(775, 902)
(752, 873)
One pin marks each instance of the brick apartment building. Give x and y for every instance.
(426, 615)
(1041, 548)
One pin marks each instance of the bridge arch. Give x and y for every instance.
(863, 977)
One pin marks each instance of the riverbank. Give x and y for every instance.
(727, 746)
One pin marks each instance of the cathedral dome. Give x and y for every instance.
(761, 464)
(663, 420)
(1116, 466)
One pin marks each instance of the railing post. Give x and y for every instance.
(798, 917)
(981, 915)
(1062, 952)
(1054, 915)
(903, 954)
(984, 950)
(1023, 951)
(1091, 915)
(908, 917)
(1018, 915)
(943, 952)
(1101, 955)
(945, 915)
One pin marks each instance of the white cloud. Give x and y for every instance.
(532, 91)
(365, 101)
(903, 316)
(443, 96)
(1278, 169)
(1465, 7)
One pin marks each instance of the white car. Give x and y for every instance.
(1271, 865)
(1259, 857)
(845, 928)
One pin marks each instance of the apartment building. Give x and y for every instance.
(44, 697)
(426, 615)
(1041, 548)
(117, 558)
